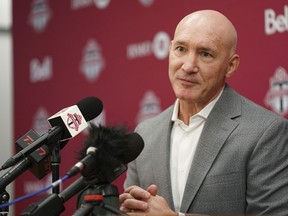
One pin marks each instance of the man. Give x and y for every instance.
(214, 151)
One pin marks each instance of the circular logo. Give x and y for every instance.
(160, 45)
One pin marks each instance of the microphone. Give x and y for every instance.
(106, 150)
(70, 120)
(65, 124)
(114, 146)
(38, 162)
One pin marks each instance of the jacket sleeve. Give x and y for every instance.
(267, 172)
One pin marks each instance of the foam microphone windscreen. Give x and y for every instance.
(115, 146)
(90, 107)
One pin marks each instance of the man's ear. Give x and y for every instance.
(233, 65)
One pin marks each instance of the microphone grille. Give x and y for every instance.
(90, 107)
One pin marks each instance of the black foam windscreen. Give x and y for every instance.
(115, 146)
(90, 107)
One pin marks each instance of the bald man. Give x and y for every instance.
(213, 151)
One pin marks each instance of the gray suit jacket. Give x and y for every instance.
(240, 165)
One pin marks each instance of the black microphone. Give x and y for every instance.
(65, 124)
(73, 120)
(39, 159)
(38, 162)
(115, 146)
(106, 150)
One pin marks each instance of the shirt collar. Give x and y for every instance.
(203, 113)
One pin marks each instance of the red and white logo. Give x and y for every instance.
(276, 23)
(159, 47)
(40, 124)
(40, 72)
(40, 15)
(146, 3)
(80, 4)
(74, 121)
(277, 96)
(149, 106)
(93, 62)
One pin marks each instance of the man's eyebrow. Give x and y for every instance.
(199, 46)
(179, 42)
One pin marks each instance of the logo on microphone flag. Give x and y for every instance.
(71, 119)
(74, 121)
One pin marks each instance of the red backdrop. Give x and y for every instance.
(117, 51)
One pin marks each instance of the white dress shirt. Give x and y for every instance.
(184, 140)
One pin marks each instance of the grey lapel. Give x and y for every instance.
(161, 157)
(218, 127)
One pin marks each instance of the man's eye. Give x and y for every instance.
(180, 49)
(206, 54)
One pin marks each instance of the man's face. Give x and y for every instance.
(198, 64)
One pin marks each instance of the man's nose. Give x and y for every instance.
(190, 64)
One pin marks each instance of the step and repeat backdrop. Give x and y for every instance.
(117, 51)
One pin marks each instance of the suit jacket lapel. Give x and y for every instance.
(217, 129)
(161, 157)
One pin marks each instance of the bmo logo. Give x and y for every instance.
(276, 23)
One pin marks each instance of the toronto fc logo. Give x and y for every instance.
(93, 62)
(277, 96)
(40, 14)
(149, 106)
(74, 121)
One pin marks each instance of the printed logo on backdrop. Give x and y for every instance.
(40, 15)
(35, 185)
(40, 72)
(159, 47)
(40, 123)
(149, 107)
(276, 23)
(146, 3)
(79, 4)
(92, 61)
(277, 96)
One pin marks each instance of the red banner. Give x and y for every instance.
(117, 51)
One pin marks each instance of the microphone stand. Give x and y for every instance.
(4, 198)
(21, 167)
(95, 203)
(56, 159)
(6, 179)
(53, 204)
(55, 166)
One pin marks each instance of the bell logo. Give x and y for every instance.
(275, 23)
(41, 71)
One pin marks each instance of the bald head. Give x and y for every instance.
(212, 23)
